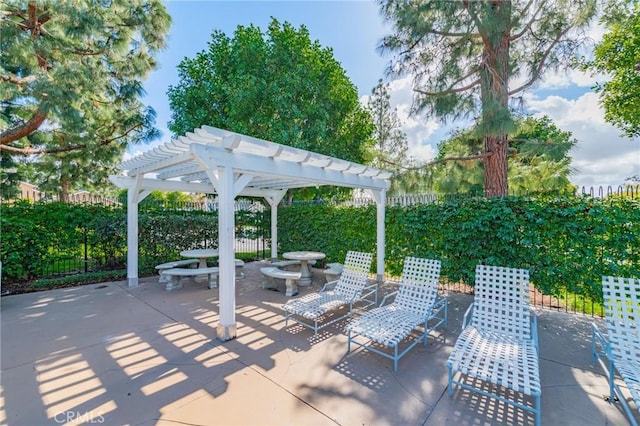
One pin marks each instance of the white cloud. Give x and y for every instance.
(601, 156)
(561, 79)
(419, 130)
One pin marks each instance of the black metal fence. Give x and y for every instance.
(255, 243)
(84, 249)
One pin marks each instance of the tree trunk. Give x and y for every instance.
(495, 165)
(494, 89)
(64, 189)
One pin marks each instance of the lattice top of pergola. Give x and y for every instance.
(190, 164)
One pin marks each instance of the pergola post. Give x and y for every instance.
(274, 230)
(273, 200)
(226, 329)
(381, 197)
(132, 238)
(134, 196)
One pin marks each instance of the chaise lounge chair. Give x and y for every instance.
(500, 344)
(312, 310)
(621, 346)
(416, 302)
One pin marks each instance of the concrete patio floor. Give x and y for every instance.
(108, 354)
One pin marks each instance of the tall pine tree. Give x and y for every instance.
(464, 55)
(70, 82)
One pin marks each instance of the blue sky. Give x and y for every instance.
(353, 29)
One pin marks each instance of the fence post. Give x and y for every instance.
(86, 259)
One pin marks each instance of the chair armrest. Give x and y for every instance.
(329, 286)
(368, 291)
(534, 330)
(436, 309)
(440, 303)
(598, 338)
(467, 316)
(384, 299)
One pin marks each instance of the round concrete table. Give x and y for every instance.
(203, 255)
(304, 257)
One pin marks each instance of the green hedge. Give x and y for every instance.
(566, 243)
(38, 237)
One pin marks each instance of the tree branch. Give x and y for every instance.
(29, 126)
(528, 26)
(444, 160)
(34, 151)
(512, 150)
(448, 34)
(20, 81)
(538, 71)
(450, 90)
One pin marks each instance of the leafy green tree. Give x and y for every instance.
(70, 82)
(539, 153)
(278, 86)
(464, 54)
(390, 149)
(618, 56)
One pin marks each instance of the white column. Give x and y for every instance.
(132, 237)
(381, 235)
(274, 231)
(226, 329)
(381, 198)
(274, 199)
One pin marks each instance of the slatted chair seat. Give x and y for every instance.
(386, 325)
(350, 288)
(416, 302)
(499, 339)
(498, 359)
(621, 345)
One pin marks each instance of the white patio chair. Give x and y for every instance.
(416, 302)
(500, 344)
(352, 287)
(621, 345)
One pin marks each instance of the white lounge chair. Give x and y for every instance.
(621, 345)
(352, 287)
(416, 302)
(500, 344)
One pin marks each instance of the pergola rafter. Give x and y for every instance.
(215, 161)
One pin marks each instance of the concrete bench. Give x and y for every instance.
(333, 272)
(272, 273)
(175, 276)
(175, 264)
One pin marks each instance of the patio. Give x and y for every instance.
(111, 354)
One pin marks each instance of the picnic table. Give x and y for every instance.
(304, 257)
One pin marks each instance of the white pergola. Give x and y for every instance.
(215, 161)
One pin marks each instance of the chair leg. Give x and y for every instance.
(349, 342)
(450, 385)
(395, 359)
(446, 313)
(612, 395)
